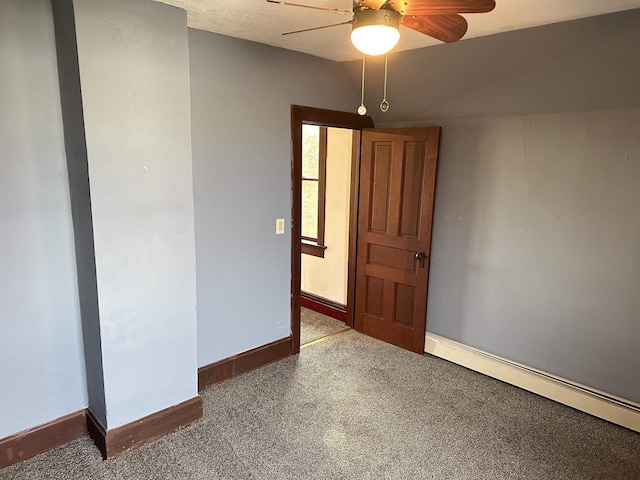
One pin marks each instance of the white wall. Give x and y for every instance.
(327, 277)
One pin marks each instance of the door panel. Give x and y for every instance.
(375, 298)
(397, 186)
(385, 256)
(412, 181)
(381, 181)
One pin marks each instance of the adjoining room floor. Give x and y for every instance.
(314, 325)
(353, 407)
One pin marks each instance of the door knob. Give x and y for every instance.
(420, 256)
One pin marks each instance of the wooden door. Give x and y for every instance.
(397, 186)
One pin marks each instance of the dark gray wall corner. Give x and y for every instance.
(78, 172)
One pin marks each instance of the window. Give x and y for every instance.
(314, 158)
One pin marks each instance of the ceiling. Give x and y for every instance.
(263, 22)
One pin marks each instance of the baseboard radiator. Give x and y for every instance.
(581, 397)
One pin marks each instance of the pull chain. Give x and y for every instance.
(362, 110)
(384, 105)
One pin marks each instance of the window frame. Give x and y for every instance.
(309, 245)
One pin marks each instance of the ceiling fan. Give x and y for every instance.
(376, 22)
(376, 25)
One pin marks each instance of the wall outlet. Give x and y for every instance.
(279, 226)
(280, 322)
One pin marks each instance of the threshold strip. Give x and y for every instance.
(322, 339)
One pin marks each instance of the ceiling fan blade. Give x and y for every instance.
(440, 7)
(374, 4)
(318, 28)
(334, 10)
(448, 28)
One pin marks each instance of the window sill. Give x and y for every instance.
(314, 249)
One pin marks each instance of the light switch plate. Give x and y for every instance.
(279, 226)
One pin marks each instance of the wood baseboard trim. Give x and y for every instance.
(116, 441)
(33, 441)
(581, 397)
(243, 362)
(323, 306)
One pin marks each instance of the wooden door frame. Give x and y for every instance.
(323, 118)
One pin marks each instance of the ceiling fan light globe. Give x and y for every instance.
(375, 39)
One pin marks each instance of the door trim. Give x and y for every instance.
(354, 198)
(323, 118)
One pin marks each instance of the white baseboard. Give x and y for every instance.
(597, 403)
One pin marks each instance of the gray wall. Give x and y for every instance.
(241, 94)
(134, 71)
(41, 359)
(535, 253)
(536, 243)
(588, 64)
(536, 233)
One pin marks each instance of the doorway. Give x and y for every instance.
(322, 118)
(392, 191)
(327, 156)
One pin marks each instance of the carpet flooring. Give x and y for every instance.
(352, 407)
(314, 325)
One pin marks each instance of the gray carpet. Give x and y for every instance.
(356, 408)
(314, 325)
